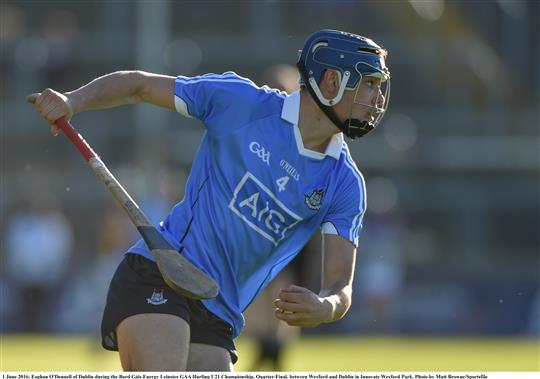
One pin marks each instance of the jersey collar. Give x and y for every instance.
(291, 114)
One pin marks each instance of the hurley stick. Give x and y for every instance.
(180, 274)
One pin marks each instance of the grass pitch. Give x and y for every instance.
(54, 353)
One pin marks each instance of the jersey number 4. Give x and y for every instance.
(282, 182)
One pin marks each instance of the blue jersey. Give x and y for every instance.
(255, 195)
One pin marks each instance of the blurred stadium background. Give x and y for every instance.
(448, 269)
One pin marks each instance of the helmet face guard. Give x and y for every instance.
(353, 57)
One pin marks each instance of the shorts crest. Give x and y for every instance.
(157, 297)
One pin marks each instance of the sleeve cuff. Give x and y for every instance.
(181, 106)
(329, 228)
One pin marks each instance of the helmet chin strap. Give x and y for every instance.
(351, 127)
(356, 128)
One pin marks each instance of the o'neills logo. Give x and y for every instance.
(289, 169)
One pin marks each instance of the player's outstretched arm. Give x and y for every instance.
(299, 306)
(111, 90)
(339, 257)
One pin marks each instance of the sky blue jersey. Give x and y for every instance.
(255, 195)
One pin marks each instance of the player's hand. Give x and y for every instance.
(298, 306)
(51, 105)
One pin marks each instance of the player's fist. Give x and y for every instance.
(298, 306)
(51, 105)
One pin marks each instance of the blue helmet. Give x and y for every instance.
(353, 57)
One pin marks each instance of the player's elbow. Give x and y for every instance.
(137, 78)
(126, 86)
(346, 302)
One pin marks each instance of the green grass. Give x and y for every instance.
(53, 353)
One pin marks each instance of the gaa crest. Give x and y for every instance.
(314, 200)
(157, 297)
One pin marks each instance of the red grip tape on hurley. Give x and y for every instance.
(79, 142)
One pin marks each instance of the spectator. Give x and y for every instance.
(39, 244)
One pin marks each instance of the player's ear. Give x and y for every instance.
(330, 82)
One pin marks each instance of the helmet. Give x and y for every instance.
(353, 57)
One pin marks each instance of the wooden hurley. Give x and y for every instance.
(180, 274)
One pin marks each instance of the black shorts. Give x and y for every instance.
(137, 287)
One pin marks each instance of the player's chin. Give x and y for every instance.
(364, 117)
(369, 117)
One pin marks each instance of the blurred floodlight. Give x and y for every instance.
(514, 8)
(31, 54)
(430, 10)
(382, 195)
(183, 56)
(484, 62)
(400, 132)
(282, 76)
(289, 76)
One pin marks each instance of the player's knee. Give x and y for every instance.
(153, 342)
(208, 358)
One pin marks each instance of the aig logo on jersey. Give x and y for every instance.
(254, 203)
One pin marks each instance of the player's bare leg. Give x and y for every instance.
(153, 342)
(208, 358)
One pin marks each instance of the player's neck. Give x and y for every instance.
(315, 128)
